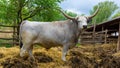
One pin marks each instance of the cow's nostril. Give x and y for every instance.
(84, 26)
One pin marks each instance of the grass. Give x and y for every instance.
(78, 44)
(5, 45)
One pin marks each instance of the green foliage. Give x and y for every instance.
(52, 15)
(18, 10)
(116, 15)
(47, 15)
(107, 8)
(72, 14)
(61, 17)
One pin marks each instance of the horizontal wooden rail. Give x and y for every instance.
(7, 26)
(9, 43)
(7, 32)
(13, 40)
(8, 38)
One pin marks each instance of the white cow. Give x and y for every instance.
(52, 34)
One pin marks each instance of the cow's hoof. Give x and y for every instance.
(64, 59)
(31, 59)
(22, 52)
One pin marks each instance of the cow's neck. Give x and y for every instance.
(75, 31)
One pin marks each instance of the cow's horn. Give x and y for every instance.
(68, 17)
(89, 17)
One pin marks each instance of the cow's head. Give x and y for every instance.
(81, 20)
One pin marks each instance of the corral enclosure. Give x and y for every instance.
(83, 56)
(101, 47)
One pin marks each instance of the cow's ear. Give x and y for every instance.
(76, 18)
(89, 20)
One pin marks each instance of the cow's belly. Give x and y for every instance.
(47, 43)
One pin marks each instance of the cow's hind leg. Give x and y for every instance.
(30, 53)
(23, 50)
(27, 39)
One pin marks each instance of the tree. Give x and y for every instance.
(15, 11)
(116, 15)
(18, 10)
(72, 14)
(107, 8)
(7, 13)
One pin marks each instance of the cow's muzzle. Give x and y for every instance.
(85, 26)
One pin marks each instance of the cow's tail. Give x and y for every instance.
(21, 44)
(20, 38)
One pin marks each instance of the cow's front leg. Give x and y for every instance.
(64, 52)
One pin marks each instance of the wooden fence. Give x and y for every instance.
(91, 38)
(98, 37)
(8, 35)
(103, 36)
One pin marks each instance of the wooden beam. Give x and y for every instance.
(118, 43)
(8, 39)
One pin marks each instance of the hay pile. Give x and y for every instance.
(89, 56)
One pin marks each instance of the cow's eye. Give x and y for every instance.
(78, 21)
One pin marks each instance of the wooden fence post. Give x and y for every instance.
(105, 36)
(118, 43)
(94, 33)
(102, 28)
(13, 35)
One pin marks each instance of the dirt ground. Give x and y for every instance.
(87, 56)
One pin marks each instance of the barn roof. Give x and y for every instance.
(109, 25)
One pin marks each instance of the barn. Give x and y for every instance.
(106, 32)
